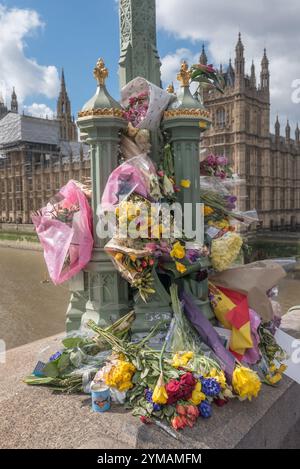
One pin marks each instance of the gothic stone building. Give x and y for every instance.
(37, 157)
(269, 163)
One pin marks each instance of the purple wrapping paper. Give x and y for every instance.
(208, 334)
(252, 356)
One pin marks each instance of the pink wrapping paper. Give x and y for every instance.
(72, 239)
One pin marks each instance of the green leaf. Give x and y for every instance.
(168, 411)
(137, 377)
(51, 369)
(76, 358)
(63, 362)
(145, 373)
(35, 381)
(139, 412)
(149, 407)
(72, 343)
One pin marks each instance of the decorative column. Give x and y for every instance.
(184, 121)
(101, 121)
(139, 55)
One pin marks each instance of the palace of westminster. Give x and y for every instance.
(38, 156)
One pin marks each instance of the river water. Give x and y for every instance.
(31, 310)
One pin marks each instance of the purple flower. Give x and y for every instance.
(211, 160)
(231, 202)
(192, 255)
(221, 161)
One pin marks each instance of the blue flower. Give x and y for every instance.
(210, 387)
(205, 409)
(156, 407)
(148, 396)
(55, 356)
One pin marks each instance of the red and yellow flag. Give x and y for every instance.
(232, 310)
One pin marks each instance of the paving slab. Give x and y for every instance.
(36, 418)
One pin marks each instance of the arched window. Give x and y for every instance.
(221, 118)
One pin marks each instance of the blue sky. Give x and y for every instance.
(74, 35)
(38, 37)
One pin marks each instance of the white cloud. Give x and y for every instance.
(39, 110)
(16, 69)
(272, 24)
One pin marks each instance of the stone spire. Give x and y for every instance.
(68, 129)
(265, 73)
(239, 63)
(288, 132)
(14, 106)
(139, 55)
(230, 76)
(297, 134)
(277, 127)
(203, 57)
(253, 76)
(3, 108)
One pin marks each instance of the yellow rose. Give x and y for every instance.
(178, 251)
(181, 268)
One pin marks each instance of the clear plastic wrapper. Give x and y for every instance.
(154, 101)
(64, 228)
(137, 175)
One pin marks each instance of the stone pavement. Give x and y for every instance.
(37, 418)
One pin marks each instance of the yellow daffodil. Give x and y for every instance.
(198, 396)
(246, 383)
(160, 395)
(178, 251)
(181, 268)
(185, 183)
(180, 360)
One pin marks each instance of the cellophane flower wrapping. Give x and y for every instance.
(137, 175)
(64, 228)
(154, 101)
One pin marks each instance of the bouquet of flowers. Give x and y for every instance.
(217, 166)
(64, 228)
(144, 103)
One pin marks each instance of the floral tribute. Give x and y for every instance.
(194, 367)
